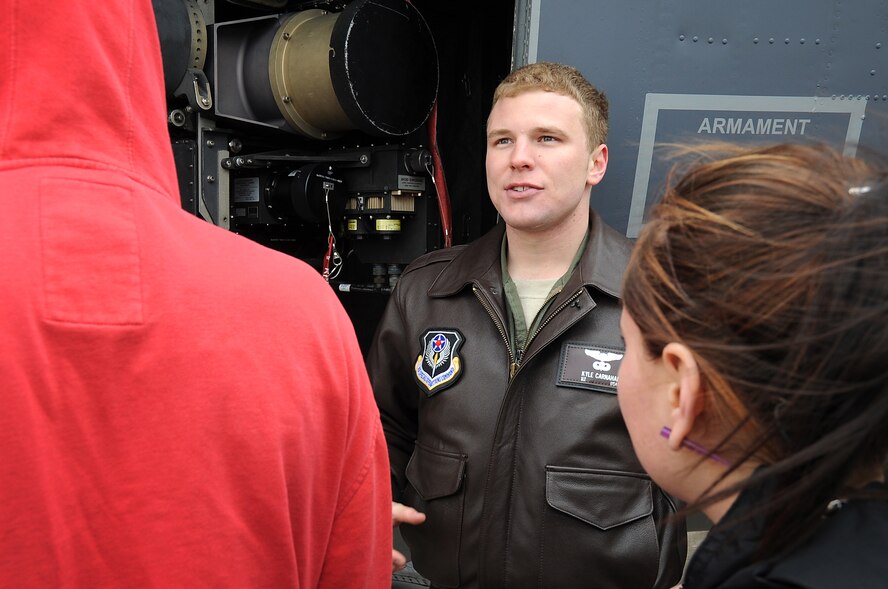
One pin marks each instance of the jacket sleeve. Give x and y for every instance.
(359, 548)
(359, 553)
(390, 365)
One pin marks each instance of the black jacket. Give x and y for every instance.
(849, 549)
(529, 481)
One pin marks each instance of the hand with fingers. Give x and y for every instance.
(401, 514)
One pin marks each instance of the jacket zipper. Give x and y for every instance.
(545, 322)
(513, 364)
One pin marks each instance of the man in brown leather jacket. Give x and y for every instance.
(495, 370)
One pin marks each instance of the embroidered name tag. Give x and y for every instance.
(588, 366)
(439, 365)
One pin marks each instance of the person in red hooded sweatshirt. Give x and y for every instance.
(152, 432)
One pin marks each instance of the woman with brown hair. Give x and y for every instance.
(755, 382)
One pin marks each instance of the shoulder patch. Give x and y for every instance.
(439, 365)
(590, 366)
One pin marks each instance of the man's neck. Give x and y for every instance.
(542, 256)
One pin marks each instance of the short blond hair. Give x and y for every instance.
(567, 81)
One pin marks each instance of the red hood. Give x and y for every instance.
(100, 100)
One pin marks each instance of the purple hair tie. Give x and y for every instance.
(691, 445)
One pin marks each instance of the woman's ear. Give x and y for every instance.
(685, 393)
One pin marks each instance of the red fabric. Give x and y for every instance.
(179, 407)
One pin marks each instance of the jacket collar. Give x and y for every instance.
(829, 558)
(601, 266)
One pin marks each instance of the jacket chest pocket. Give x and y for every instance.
(598, 526)
(435, 488)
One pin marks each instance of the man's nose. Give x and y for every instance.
(522, 154)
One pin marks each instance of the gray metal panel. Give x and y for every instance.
(718, 60)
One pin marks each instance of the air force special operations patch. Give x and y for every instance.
(439, 365)
(582, 366)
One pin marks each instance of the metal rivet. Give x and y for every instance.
(724, 41)
(286, 99)
(286, 36)
(211, 179)
(710, 40)
(878, 45)
(835, 505)
(771, 40)
(681, 37)
(817, 41)
(872, 72)
(696, 38)
(786, 40)
(755, 40)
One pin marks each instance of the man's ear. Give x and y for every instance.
(685, 393)
(597, 165)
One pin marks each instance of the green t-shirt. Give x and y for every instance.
(520, 333)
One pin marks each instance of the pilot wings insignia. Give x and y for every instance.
(603, 359)
(586, 365)
(603, 356)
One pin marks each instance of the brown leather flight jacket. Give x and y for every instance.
(528, 480)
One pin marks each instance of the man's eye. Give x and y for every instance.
(501, 141)
(547, 138)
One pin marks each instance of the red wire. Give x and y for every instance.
(327, 258)
(440, 181)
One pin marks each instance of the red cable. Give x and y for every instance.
(440, 181)
(326, 273)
